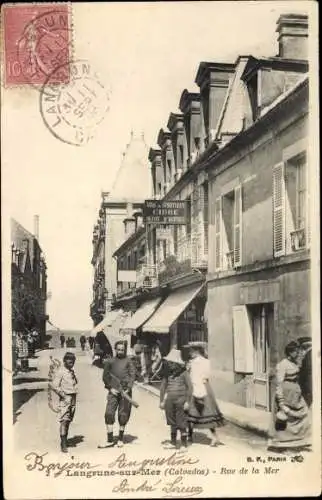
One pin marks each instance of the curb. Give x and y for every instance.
(260, 430)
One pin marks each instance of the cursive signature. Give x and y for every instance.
(175, 459)
(125, 487)
(37, 462)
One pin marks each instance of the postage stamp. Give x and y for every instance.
(73, 110)
(37, 39)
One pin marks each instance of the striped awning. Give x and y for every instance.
(140, 316)
(108, 320)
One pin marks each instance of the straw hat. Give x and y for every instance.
(175, 357)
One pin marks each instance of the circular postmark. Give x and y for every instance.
(73, 110)
(45, 44)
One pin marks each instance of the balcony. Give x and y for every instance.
(147, 276)
(298, 239)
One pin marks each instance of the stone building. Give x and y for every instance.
(28, 281)
(116, 220)
(236, 275)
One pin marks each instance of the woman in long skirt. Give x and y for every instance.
(291, 423)
(204, 412)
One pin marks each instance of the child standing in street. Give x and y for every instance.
(175, 396)
(65, 385)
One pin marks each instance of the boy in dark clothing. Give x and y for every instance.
(119, 374)
(175, 396)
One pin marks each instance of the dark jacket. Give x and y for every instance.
(123, 369)
(305, 377)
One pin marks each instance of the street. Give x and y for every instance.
(36, 425)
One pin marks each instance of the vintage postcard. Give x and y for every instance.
(160, 249)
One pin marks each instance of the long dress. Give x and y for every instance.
(295, 431)
(204, 412)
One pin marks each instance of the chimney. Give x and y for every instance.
(36, 227)
(293, 36)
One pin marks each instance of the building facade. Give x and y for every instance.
(28, 281)
(236, 275)
(116, 219)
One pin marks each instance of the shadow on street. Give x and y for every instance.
(20, 397)
(24, 380)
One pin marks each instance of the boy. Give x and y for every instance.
(175, 396)
(65, 385)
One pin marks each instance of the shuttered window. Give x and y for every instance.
(243, 341)
(218, 224)
(278, 210)
(237, 225)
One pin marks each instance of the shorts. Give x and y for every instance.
(67, 407)
(175, 414)
(121, 404)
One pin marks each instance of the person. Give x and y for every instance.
(65, 385)
(82, 341)
(30, 341)
(62, 340)
(22, 348)
(204, 412)
(305, 373)
(119, 374)
(91, 342)
(156, 358)
(137, 360)
(102, 347)
(291, 426)
(176, 396)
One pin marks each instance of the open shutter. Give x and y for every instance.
(278, 210)
(218, 229)
(237, 225)
(243, 341)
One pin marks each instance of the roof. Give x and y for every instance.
(18, 237)
(133, 179)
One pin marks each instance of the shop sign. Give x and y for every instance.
(165, 212)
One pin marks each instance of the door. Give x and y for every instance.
(262, 316)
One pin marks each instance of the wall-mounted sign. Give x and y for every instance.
(163, 233)
(165, 212)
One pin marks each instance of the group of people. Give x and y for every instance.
(70, 342)
(187, 397)
(24, 346)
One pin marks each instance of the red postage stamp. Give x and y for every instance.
(37, 40)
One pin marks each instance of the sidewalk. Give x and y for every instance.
(251, 419)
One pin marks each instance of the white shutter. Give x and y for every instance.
(243, 341)
(237, 226)
(218, 233)
(278, 210)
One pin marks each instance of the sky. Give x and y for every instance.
(145, 55)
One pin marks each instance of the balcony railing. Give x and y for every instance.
(146, 276)
(230, 259)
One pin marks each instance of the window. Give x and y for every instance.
(175, 239)
(188, 225)
(181, 157)
(290, 205)
(228, 229)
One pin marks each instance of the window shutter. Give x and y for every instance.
(218, 228)
(243, 341)
(278, 210)
(237, 225)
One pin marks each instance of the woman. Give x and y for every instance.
(290, 412)
(204, 412)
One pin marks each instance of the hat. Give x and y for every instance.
(175, 357)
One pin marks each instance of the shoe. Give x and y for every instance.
(63, 444)
(120, 444)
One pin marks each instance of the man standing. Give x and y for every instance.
(82, 341)
(118, 378)
(62, 341)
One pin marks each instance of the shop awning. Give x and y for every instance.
(171, 309)
(108, 320)
(141, 315)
